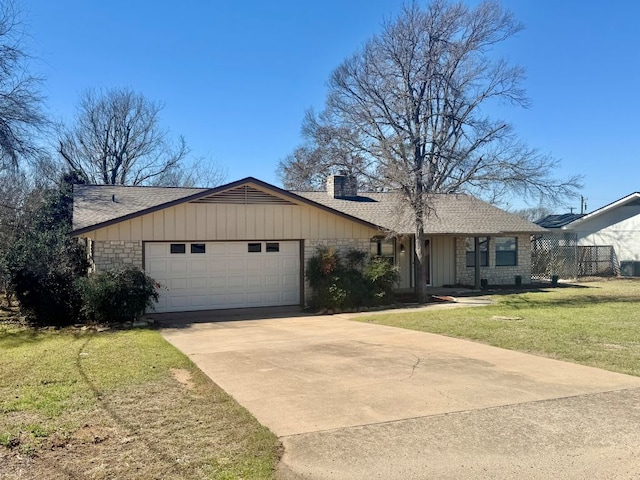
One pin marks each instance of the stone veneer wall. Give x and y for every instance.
(495, 275)
(341, 245)
(108, 254)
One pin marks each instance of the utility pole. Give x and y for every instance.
(583, 205)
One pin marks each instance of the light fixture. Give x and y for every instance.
(402, 248)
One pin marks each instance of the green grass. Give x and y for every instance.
(595, 324)
(119, 405)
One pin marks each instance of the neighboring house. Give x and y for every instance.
(616, 225)
(246, 244)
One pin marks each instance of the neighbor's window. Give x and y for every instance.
(178, 248)
(383, 247)
(198, 248)
(273, 247)
(471, 251)
(254, 247)
(506, 251)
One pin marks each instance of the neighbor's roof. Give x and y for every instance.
(632, 199)
(569, 220)
(449, 213)
(96, 206)
(558, 221)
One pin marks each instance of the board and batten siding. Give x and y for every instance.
(443, 261)
(194, 221)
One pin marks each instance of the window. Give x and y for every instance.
(273, 247)
(254, 247)
(178, 248)
(198, 248)
(506, 251)
(385, 248)
(471, 251)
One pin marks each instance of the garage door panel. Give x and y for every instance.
(289, 264)
(236, 282)
(198, 266)
(226, 275)
(178, 284)
(176, 301)
(272, 280)
(154, 249)
(216, 248)
(289, 280)
(178, 266)
(199, 300)
(157, 266)
(198, 282)
(236, 248)
(290, 298)
(255, 264)
(236, 264)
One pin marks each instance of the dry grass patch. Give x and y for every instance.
(595, 323)
(123, 405)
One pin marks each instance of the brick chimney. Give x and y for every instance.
(342, 186)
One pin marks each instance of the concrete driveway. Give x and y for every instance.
(352, 400)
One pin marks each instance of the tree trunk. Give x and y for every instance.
(421, 264)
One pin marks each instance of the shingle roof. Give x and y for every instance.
(449, 214)
(95, 204)
(558, 221)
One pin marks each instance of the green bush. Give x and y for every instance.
(42, 268)
(382, 276)
(118, 295)
(349, 282)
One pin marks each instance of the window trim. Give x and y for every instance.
(174, 248)
(257, 247)
(197, 245)
(484, 262)
(272, 247)
(512, 252)
(378, 242)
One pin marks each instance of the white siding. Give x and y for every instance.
(619, 228)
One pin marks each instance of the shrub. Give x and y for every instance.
(349, 282)
(40, 262)
(42, 268)
(118, 295)
(382, 276)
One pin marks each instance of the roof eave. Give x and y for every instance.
(214, 190)
(606, 208)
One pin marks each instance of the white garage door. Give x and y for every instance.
(213, 275)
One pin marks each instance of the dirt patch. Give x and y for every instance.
(160, 431)
(184, 377)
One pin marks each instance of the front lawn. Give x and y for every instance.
(595, 324)
(126, 405)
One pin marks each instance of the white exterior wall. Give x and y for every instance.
(619, 228)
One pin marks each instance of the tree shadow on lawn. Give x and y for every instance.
(12, 336)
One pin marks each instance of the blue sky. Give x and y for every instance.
(236, 77)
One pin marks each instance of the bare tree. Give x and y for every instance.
(117, 140)
(21, 117)
(198, 172)
(533, 214)
(412, 105)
